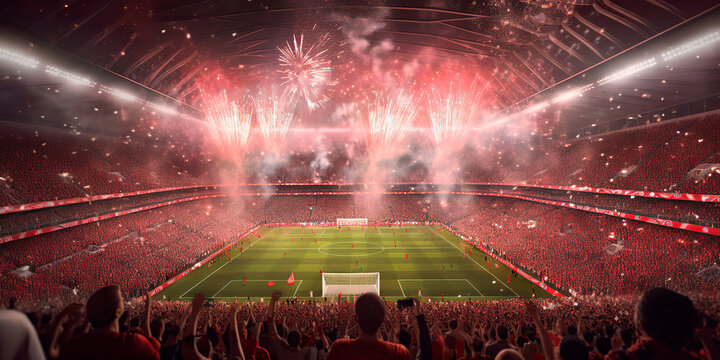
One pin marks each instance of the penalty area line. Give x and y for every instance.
(478, 264)
(296, 288)
(222, 288)
(223, 265)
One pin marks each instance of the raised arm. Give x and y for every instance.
(57, 326)
(705, 335)
(145, 329)
(189, 343)
(271, 313)
(424, 334)
(256, 329)
(547, 345)
(235, 344)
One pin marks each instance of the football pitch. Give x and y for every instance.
(409, 259)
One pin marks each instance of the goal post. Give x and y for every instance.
(350, 283)
(352, 222)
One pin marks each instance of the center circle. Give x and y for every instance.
(351, 248)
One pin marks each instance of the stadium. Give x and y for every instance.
(341, 179)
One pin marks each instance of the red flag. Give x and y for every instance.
(291, 279)
(271, 283)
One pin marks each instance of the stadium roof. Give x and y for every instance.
(531, 46)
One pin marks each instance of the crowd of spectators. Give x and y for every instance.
(589, 253)
(40, 164)
(656, 157)
(661, 324)
(138, 251)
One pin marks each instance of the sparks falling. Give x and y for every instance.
(274, 114)
(389, 120)
(306, 71)
(228, 123)
(453, 111)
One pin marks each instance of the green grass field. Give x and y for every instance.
(280, 251)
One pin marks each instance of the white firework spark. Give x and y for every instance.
(389, 120)
(306, 71)
(274, 113)
(453, 111)
(228, 123)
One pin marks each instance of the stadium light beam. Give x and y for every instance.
(630, 70)
(691, 46)
(568, 95)
(72, 77)
(18, 58)
(120, 94)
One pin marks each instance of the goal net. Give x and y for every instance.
(352, 222)
(350, 283)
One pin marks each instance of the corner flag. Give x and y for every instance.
(291, 279)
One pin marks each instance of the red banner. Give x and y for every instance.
(650, 194)
(640, 193)
(53, 203)
(651, 220)
(93, 219)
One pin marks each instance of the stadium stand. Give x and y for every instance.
(600, 254)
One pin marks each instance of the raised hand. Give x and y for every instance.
(189, 345)
(616, 341)
(145, 330)
(69, 314)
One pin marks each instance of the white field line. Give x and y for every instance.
(466, 280)
(409, 249)
(401, 288)
(255, 280)
(223, 265)
(296, 288)
(223, 288)
(478, 264)
(473, 286)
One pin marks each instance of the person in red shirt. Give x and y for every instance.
(106, 341)
(370, 313)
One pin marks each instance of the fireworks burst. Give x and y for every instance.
(228, 123)
(306, 71)
(389, 120)
(274, 114)
(453, 111)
